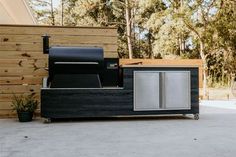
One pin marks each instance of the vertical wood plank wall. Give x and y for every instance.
(22, 62)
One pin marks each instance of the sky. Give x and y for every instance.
(56, 2)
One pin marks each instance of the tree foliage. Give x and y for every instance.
(203, 29)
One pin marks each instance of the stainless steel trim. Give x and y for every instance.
(45, 82)
(188, 91)
(112, 67)
(162, 91)
(154, 106)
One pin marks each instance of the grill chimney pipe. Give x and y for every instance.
(46, 44)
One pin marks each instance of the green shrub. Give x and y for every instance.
(24, 103)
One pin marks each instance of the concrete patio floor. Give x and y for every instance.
(213, 135)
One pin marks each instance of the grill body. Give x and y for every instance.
(75, 67)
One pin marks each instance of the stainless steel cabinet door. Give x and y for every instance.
(146, 90)
(176, 90)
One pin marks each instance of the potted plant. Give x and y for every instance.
(25, 106)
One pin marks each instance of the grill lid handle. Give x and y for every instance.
(73, 63)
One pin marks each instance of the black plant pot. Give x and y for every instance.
(25, 116)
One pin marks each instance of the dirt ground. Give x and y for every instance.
(219, 94)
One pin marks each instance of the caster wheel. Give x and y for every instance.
(196, 116)
(47, 120)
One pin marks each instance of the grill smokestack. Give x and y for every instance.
(46, 44)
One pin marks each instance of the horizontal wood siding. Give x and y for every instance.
(22, 62)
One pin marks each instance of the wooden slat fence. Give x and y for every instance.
(22, 62)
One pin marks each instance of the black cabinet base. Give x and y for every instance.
(82, 103)
(108, 102)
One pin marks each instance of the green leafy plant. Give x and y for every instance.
(24, 103)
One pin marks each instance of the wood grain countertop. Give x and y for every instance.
(161, 66)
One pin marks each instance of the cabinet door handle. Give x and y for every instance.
(162, 90)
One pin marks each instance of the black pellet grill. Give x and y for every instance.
(81, 67)
(82, 83)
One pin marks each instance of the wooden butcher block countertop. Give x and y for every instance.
(153, 66)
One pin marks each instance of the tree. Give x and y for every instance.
(150, 19)
(225, 35)
(159, 28)
(110, 13)
(62, 12)
(44, 11)
(128, 27)
(198, 18)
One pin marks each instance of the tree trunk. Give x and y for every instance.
(151, 55)
(203, 57)
(52, 13)
(62, 12)
(179, 46)
(128, 28)
(182, 44)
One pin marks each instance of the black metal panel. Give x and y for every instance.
(64, 103)
(110, 75)
(76, 81)
(45, 44)
(72, 103)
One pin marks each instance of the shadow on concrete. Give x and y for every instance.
(126, 118)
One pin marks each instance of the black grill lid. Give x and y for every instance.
(76, 54)
(75, 60)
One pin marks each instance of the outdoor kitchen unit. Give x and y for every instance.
(82, 83)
